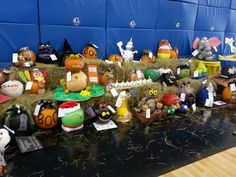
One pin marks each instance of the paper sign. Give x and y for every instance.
(29, 85)
(182, 97)
(148, 113)
(68, 76)
(150, 55)
(139, 74)
(164, 84)
(93, 79)
(219, 103)
(195, 52)
(14, 57)
(114, 92)
(210, 96)
(104, 126)
(209, 103)
(119, 102)
(53, 57)
(194, 107)
(195, 74)
(37, 109)
(232, 87)
(111, 108)
(178, 71)
(27, 64)
(92, 69)
(92, 73)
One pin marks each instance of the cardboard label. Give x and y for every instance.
(37, 109)
(29, 85)
(178, 71)
(28, 143)
(211, 96)
(209, 103)
(148, 113)
(53, 57)
(14, 57)
(150, 55)
(119, 102)
(232, 87)
(195, 74)
(194, 107)
(104, 126)
(139, 74)
(195, 52)
(92, 73)
(182, 97)
(114, 92)
(68, 76)
(111, 108)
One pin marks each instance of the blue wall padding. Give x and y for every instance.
(132, 13)
(211, 19)
(114, 35)
(105, 22)
(181, 39)
(89, 13)
(217, 3)
(77, 37)
(175, 15)
(19, 11)
(14, 36)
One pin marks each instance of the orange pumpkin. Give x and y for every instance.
(115, 58)
(90, 51)
(78, 82)
(134, 76)
(47, 118)
(35, 89)
(25, 55)
(73, 63)
(229, 96)
(146, 56)
(106, 77)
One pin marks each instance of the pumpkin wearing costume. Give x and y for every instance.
(90, 51)
(73, 63)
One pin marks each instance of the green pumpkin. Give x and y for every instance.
(73, 119)
(152, 74)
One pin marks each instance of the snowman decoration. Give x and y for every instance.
(127, 54)
(4, 140)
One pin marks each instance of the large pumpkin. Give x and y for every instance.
(90, 51)
(115, 58)
(12, 88)
(229, 96)
(78, 82)
(47, 118)
(73, 63)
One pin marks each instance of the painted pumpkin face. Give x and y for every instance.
(90, 52)
(106, 77)
(26, 57)
(73, 63)
(47, 117)
(78, 82)
(12, 88)
(115, 58)
(104, 113)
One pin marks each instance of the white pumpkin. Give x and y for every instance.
(12, 88)
(78, 82)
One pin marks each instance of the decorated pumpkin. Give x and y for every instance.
(169, 99)
(73, 63)
(228, 95)
(45, 114)
(78, 82)
(183, 71)
(65, 52)
(90, 51)
(26, 57)
(45, 52)
(115, 58)
(39, 82)
(166, 52)
(106, 77)
(104, 113)
(147, 56)
(152, 74)
(136, 74)
(18, 118)
(12, 88)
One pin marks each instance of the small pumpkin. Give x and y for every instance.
(229, 96)
(78, 82)
(115, 58)
(12, 88)
(135, 75)
(90, 51)
(47, 117)
(147, 56)
(106, 77)
(26, 57)
(73, 63)
(104, 113)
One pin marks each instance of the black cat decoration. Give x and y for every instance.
(47, 54)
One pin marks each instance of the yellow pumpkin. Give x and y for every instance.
(78, 82)
(47, 118)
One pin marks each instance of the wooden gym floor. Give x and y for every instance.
(222, 164)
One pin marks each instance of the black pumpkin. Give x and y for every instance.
(45, 52)
(104, 113)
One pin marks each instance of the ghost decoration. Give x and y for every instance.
(204, 48)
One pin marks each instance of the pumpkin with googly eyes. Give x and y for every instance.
(47, 117)
(90, 51)
(104, 113)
